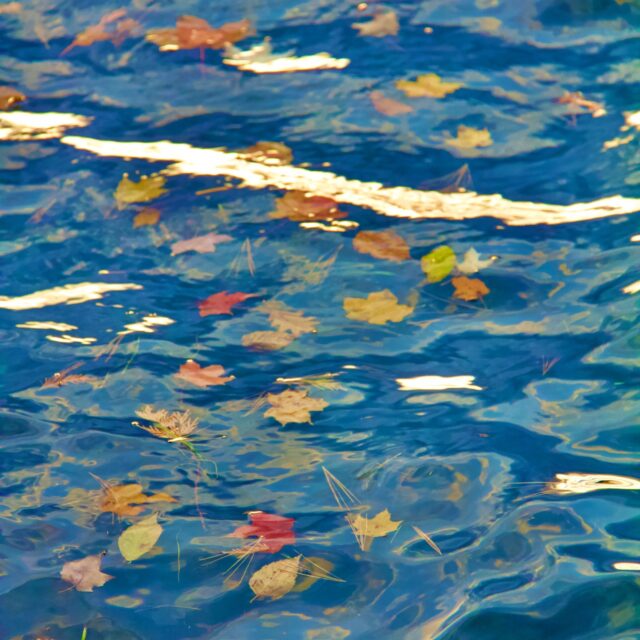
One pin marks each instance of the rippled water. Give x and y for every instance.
(550, 354)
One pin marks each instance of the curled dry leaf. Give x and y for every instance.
(429, 85)
(388, 106)
(386, 245)
(381, 25)
(439, 263)
(222, 303)
(271, 153)
(267, 340)
(85, 574)
(288, 320)
(469, 288)
(146, 217)
(378, 307)
(273, 531)
(139, 538)
(470, 138)
(293, 406)
(127, 499)
(174, 426)
(209, 376)
(148, 188)
(366, 529)
(113, 27)
(300, 206)
(275, 579)
(10, 97)
(201, 244)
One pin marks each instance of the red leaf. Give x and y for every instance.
(220, 303)
(274, 531)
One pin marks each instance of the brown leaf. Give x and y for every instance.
(381, 25)
(293, 406)
(429, 85)
(469, 288)
(388, 106)
(120, 499)
(146, 217)
(10, 97)
(192, 372)
(85, 574)
(275, 579)
(301, 206)
(267, 340)
(386, 245)
(271, 153)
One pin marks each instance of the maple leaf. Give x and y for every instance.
(200, 244)
(378, 307)
(300, 206)
(275, 579)
(388, 106)
(120, 499)
(174, 427)
(148, 188)
(10, 97)
(469, 288)
(471, 262)
(428, 85)
(273, 531)
(192, 372)
(438, 263)
(146, 217)
(366, 529)
(85, 574)
(269, 153)
(287, 320)
(293, 406)
(222, 303)
(381, 25)
(386, 245)
(469, 138)
(267, 340)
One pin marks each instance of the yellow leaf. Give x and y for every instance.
(378, 307)
(293, 406)
(139, 538)
(429, 85)
(365, 529)
(146, 217)
(470, 138)
(148, 188)
(275, 579)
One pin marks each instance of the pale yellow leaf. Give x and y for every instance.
(275, 579)
(429, 85)
(148, 188)
(139, 538)
(378, 307)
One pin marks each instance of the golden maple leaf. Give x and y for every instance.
(293, 406)
(429, 85)
(148, 188)
(470, 138)
(378, 307)
(366, 529)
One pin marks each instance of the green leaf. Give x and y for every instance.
(139, 538)
(439, 263)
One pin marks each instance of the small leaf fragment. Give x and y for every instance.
(139, 538)
(386, 245)
(469, 288)
(388, 106)
(275, 579)
(428, 85)
(381, 25)
(85, 574)
(439, 263)
(146, 217)
(378, 307)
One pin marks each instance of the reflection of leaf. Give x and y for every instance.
(267, 340)
(386, 245)
(222, 303)
(378, 307)
(275, 579)
(381, 25)
(139, 538)
(273, 531)
(300, 206)
(472, 263)
(10, 97)
(429, 85)
(304, 272)
(146, 217)
(199, 244)
(388, 106)
(439, 263)
(148, 188)
(85, 574)
(192, 372)
(470, 138)
(293, 406)
(284, 319)
(120, 499)
(368, 528)
(469, 288)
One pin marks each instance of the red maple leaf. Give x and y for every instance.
(273, 531)
(222, 302)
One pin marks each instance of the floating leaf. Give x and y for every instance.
(439, 263)
(577, 102)
(209, 376)
(366, 529)
(378, 307)
(113, 27)
(267, 340)
(139, 538)
(293, 406)
(470, 138)
(300, 206)
(200, 244)
(429, 85)
(85, 574)
(386, 245)
(10, 97)
(381, 25)
(175, 427)
(270, 153)
(469, 288)
(61, 378)
(148, 188)
(287, 320)
(222, 303)
(388, 106)
(146, 217)
(275, 579)
(120, 499)
(471, 263)
(273, 531)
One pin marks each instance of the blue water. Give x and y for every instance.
(554, 346)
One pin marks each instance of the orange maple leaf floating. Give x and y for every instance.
(469, 288)
(222, 303)
(192, 372)
(273, 531)
(113, 27)
(300, 206)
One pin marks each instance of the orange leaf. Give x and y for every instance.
(388, 106)
(386, 245)
(469, 288)
(221, 303)
(146, 217)
(192, 372)
(9, 97)
(300, 206)
(119, 499)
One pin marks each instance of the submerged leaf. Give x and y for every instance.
(209, 376)
(428, 85)
(139, 538)
(386, 245)
(275, 579)
(381, 25)
(120, 499)
(288, 320)
(146, 217)
(388, 106)
(378, 307)
(439, 263)
(470, 138)
(10, 97)
(273, 531)
(300, 206)
(469, 288)
(366, 528)
(148, 188)
(267, 340)
(85, 574)
(293, 406)
(222, 303)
